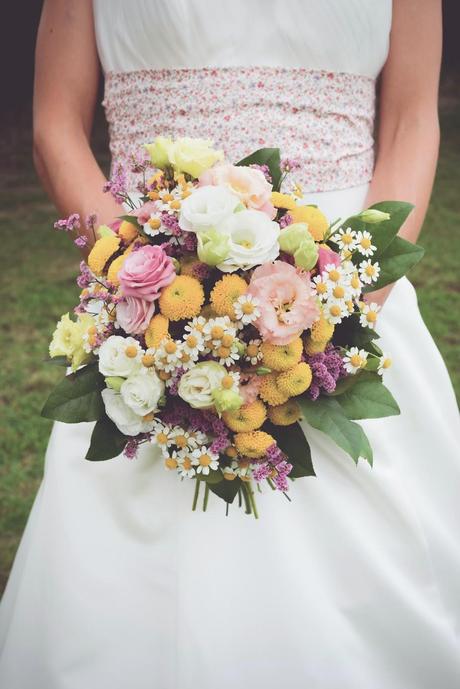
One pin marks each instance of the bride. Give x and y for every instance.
(355, 583)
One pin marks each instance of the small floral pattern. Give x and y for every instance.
(323, 119)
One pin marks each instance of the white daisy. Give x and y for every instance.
(195, 439)
(193, 343)
(168, 356)
(345, 239)
(246, 308)
(368, 315)
(335, 310)
(384, 363)
(332, 274)
(162, 437)
(364, 243)
(229, 473)
(196, 323)
(355, 359)
(355, 284)
(319, 285)
(153, 226)
(341, 291)
(186, 468)
(253, 353)
(242, 467)
(369, 272)
(172, 460)
(180, 438)
(204, 460)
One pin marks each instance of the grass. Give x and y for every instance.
(38, 285)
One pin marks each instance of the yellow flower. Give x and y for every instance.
(312, 347)
(253, 444)
(282, 357)
(296, 380)
(188, 266)
(193, 156)
(128, 231)
(283, 200)
(104, 248)
(246, 418)
(68, 339)
(322, 330)
(284, 414)
(116, 265)
(225, 292)
(270, 392)
(183, 298)
(315, 219)
(157, 330)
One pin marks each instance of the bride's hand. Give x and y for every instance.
(379, 296)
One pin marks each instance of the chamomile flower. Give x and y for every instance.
(172, 460)
(364, 243)
(319, 285)
(246, 309)
(369, 272)
(341, 291)
(168, 356)
(196, 439)
(204, 460)
(242, 467)
(170, 201)
(153, 226)
(180, 438)
(384, 363)
(345, 239)
(355, 285)
(253, 353)
(332, 275)
(193, 344)
(335, 310)
(229, 473)
(355, 359)
(196, 323)
(368, 315)
(186, 468)
(162, 437)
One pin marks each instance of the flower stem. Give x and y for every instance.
(246, 498)
(195, 497)
(206, 497)
(252, 499)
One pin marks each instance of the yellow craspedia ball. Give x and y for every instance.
(183, 298)
(296, 380)
(283, 200)
(157, 330)
(270, 392)
(103, 249)
(116, 265)
(128, 231)
(322, 330)
(225, 292)
(316, 220)
(312, 347)
(246, 418)
(282, 357)
(253, 444)
(284, 414)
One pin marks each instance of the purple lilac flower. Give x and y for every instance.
(262, 472)
(265, 171)
(130, 451)
(219, 444)
(171, 222)
(117, 185)
(285, 220)
(201, 271)
(139, 163)
(290, 165)
(68, 224)
(81, 241)
(327, 368)
(91, 221)
(190, 241)
(175, 380)
(85, 277)
(275, 455)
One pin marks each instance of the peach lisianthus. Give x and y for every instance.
(287, 304)
(248, 183)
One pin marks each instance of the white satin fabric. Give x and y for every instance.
(354, 584)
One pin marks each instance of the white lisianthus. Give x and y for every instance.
(253, 240)
(119, 356)
(124, 418)
(196, 385)
(142, 391)
(207, 207)
(193, 156)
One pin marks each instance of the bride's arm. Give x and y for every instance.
(408, 134)
(65, 91)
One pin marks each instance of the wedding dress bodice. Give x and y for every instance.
(247, 74)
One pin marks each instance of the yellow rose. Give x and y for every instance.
(159, 151)
(193, 156)
(68, 339)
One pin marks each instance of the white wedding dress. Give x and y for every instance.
(355, 583)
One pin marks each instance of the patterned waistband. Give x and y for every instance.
(323, 119)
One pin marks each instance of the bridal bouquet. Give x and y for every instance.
(220, 317)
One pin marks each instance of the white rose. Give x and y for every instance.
(253, 240)
(193, 156)
(119, 356)
(127, 421)
(207, 207)
(142, 391)
(197, 384)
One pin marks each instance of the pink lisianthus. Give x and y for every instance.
(326, 257)
(286, 302)
(248, 183)
(134, 315)
(145, 272)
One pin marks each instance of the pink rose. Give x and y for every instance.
(248, 183)
(134, 315)
(326, 257)
(145, 272)
(286, 302)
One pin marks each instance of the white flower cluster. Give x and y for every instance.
(184, 451)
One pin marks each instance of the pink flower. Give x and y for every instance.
(246, 182)
(325, 257)
(249, 387)
(145, 272)
(286, 302)
(134, 315)
(144, 212)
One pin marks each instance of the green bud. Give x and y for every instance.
(226, 400)
(292, 236)
(114, 382)
(373, 216)
(213, 246)
(104, 231)
(263, 370)
(241, 346)
(306, 255)
(176, 264)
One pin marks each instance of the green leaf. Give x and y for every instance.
(57, 361)
(107, 441)
(368, 399)
(292, 441)
(350, 333)
(214, 476)
(227, 490)
(77, 397)
(131, 219)
(397, 259)
(269, 157)
(326, 415)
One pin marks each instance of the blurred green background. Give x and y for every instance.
(39, 267)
